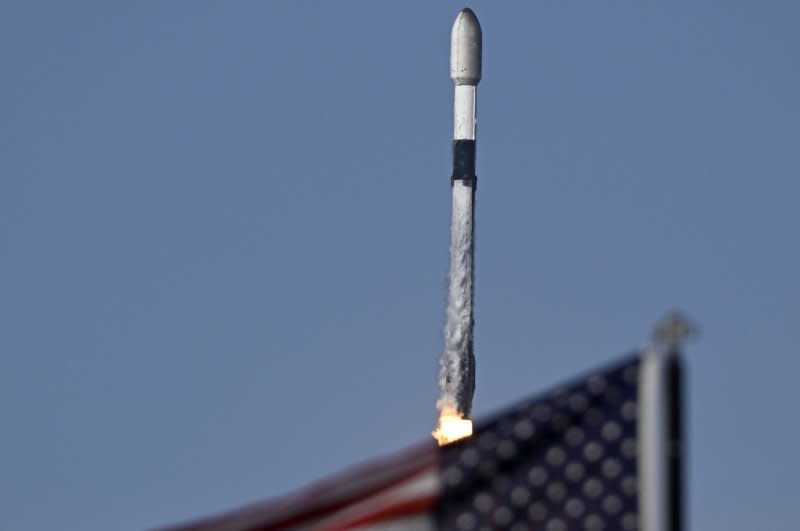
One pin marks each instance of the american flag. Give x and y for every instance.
(600, 453)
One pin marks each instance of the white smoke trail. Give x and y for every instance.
(457, 371)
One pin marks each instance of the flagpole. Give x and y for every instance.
(652, 455)
(669, 338)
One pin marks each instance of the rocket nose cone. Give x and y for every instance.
(466, 42)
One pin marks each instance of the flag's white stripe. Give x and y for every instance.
(420, 487)
(327, 496)
(364, 478)
(652, 437)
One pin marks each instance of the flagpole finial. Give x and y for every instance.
(673, 331)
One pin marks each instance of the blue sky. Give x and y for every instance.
(224, 230)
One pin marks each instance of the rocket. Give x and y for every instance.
(457, 371)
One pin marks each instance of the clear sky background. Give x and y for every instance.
(224, 232)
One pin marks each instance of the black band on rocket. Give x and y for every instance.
(464, 161)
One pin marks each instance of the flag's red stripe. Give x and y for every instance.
(340, 504)
(322, 499)
(398, 510)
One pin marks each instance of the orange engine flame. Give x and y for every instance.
(452, 427)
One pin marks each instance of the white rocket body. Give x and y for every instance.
(457, 376)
